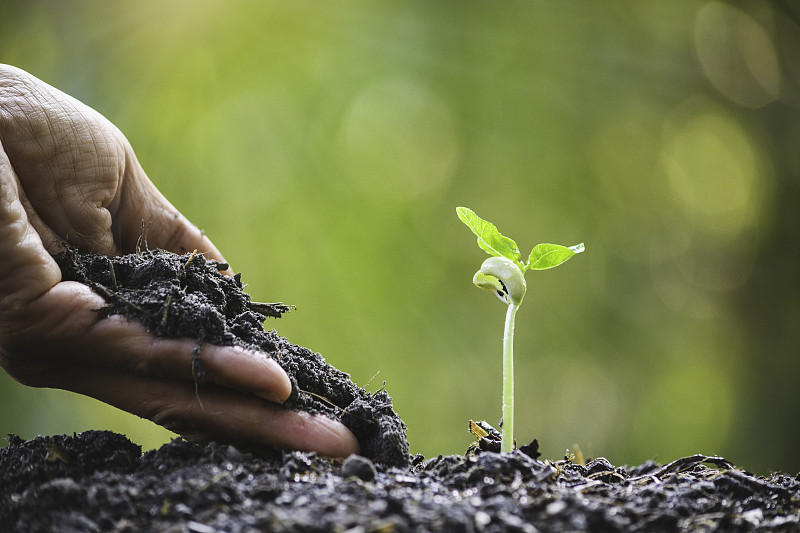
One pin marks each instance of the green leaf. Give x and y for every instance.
(489, 238)
(544, 256)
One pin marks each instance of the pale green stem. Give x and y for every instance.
(507, 443)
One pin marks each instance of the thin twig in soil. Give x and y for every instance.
(166, 308)
(197, 372)
(324, 399)
(113, 275)
(194, 252)
(321, 397)
(142, 238)
(110, 295)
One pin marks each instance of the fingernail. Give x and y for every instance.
(337, 441)
(279, 387)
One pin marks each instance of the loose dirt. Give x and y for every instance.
(100, 482)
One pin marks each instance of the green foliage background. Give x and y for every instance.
(323, 147)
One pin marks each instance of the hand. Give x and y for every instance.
(67, 175)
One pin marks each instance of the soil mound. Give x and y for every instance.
(99, 482)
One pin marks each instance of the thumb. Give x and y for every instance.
(26, 270)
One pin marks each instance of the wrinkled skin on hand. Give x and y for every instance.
(67, 175)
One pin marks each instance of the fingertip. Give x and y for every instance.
(333, 438)
(349, 446)
(300, 430)
(247, 370)
(280, 387)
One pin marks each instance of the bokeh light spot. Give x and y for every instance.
(714, 174)
(737, 56)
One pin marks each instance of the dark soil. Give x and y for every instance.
(100, 482)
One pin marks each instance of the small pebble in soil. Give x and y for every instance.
(360, 467)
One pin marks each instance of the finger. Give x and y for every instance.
(139, 352)
(294, 430)
(216, 414)
(26, 269)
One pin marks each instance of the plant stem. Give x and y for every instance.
(507, 442)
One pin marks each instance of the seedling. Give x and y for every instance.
(503, 274)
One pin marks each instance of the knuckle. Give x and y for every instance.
(175, 416)
(147, 362)
(142, 366)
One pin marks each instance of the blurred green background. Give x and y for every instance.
(323, 146)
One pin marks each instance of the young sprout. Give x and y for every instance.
(503, 274)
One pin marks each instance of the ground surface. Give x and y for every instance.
(100, 482)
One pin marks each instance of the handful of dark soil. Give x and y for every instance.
(186, 296)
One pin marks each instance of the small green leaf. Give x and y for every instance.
(489, 238)
(544, 256)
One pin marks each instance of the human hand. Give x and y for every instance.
(67, 175)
